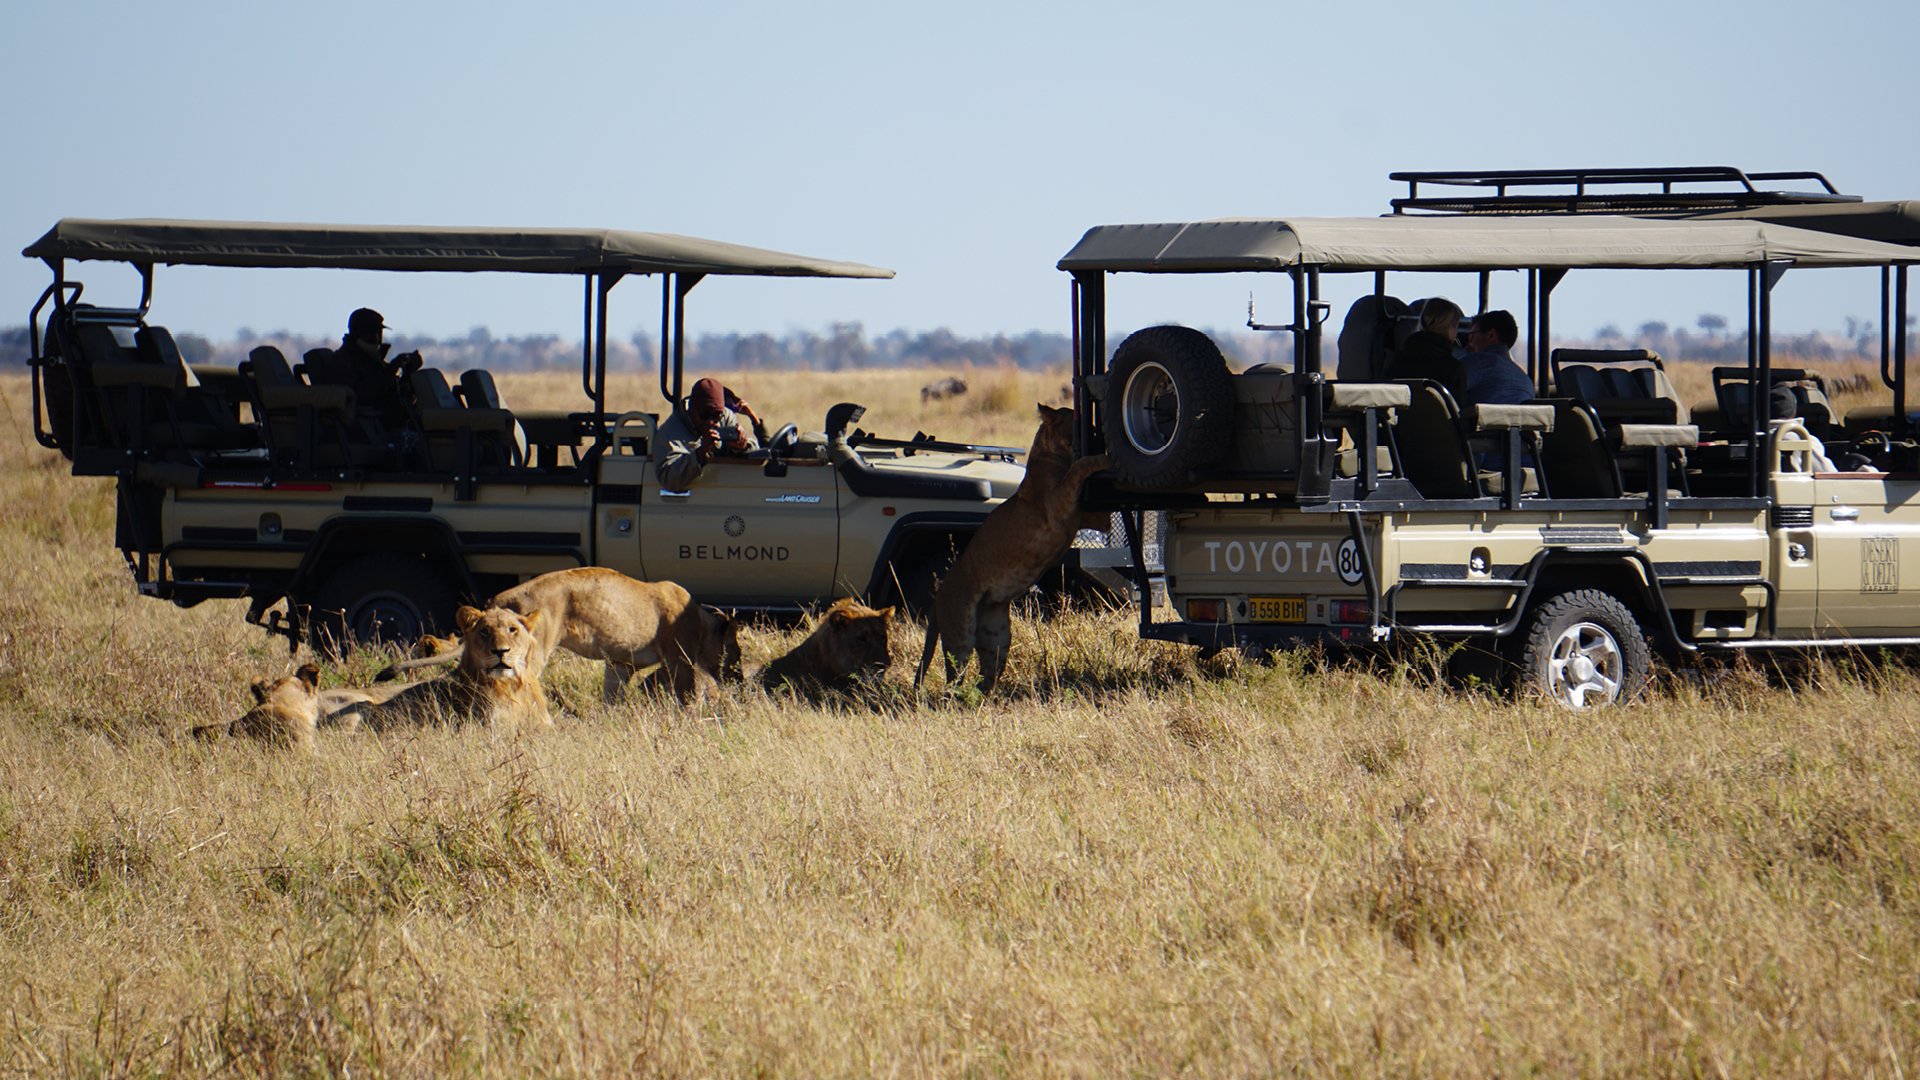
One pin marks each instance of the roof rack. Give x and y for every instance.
(1610, 191)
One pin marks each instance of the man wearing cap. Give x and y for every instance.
(361, 363)
(1492, 376)
(716, 421)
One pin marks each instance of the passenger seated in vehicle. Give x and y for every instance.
(715, 421)
(1492, 376)
(1428, 352)
(1783, 404)
(360, 363)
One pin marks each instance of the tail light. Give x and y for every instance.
(1213, 611)
(1347, 611)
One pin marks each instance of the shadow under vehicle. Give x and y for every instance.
(261, 482)
(1573, 536)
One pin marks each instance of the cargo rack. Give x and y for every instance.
(1610, 191)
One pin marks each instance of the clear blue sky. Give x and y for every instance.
(966, 146)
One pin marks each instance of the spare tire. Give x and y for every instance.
(1168, 408)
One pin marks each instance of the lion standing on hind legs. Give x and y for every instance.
(972, 609)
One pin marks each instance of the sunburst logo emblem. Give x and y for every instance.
(735, 525)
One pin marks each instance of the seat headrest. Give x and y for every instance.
(157, 344)
(477, 386)
(270, 365)
(1628, 357)
(431, 389)
(1366, 338)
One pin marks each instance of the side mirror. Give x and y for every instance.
(776, 467)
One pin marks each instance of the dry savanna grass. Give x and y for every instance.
(1135, 862)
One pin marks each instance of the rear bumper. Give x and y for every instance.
(1256, 635)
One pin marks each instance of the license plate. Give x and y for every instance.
(1277, 609)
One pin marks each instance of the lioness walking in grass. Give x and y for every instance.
(602, 614)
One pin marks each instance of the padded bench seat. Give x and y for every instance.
(1348, 396)
(1509, 417)
(1646, 436)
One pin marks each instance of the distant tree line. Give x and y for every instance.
(847, 346)
(840, 347)
(1859, 339)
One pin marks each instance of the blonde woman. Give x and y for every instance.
(1428, 352)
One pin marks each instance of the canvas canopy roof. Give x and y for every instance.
(1896, 222)
(422, 247)
(1413, 242)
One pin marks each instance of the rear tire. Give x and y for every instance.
(1585, 650)
(383, 598)
(1168, 407)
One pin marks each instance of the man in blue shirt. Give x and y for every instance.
(1492, 376)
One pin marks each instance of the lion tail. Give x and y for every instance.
(926, 654)
(400, 667)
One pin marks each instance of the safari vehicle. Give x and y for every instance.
(255, 482)
(1326, 504)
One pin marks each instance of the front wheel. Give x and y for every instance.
(1585, 650)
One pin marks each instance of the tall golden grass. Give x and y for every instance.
(1132, 862)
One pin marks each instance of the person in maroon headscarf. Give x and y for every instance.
(715, 421)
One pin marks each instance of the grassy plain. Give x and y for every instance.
(1132, 863)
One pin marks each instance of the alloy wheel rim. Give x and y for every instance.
(1586, 666)
(1150, 408)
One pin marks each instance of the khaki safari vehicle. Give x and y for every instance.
(256, 482)
(1574, 536)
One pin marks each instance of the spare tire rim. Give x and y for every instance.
(1150, 408)
(385, 616)
(1585, 667)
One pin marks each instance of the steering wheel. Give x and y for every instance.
(784, 440)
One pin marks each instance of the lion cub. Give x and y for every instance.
(284, 713)
(1025, 535)
(849, 645)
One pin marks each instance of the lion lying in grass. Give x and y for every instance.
(602, 614)
(972, 609)
(285, 712)
(495, 682)
(848, 646)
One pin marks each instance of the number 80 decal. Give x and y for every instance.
(1348, 561)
